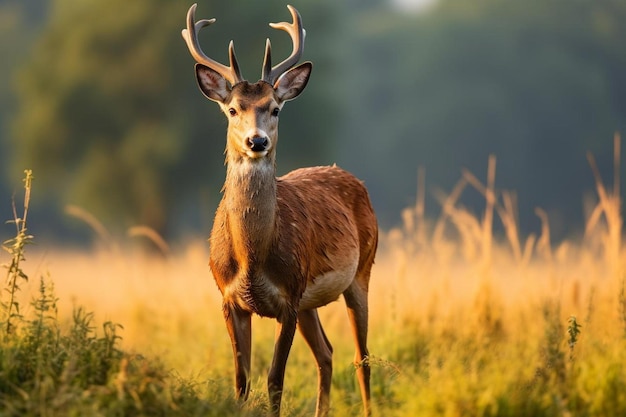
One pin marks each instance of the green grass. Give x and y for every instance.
(453, 332)
(49, 368)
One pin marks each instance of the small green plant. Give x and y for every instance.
(16, 248)
(573, 330)
(51, 369)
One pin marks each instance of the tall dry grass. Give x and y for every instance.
(462, 322)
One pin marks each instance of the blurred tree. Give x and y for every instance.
(98, 108)
(109, 114)
(20, 21)
(534, 82)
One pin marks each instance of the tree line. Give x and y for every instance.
(99, 99)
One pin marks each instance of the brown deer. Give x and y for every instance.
(282, 247)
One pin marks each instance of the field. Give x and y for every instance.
(463, 322)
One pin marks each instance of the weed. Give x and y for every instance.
(54, 370)
(573, 330)
(16, 248)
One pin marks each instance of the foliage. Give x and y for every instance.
(452, 332)
(16, 248)
(573, 331)
(110, 115)
(79, 114)
(54, 369)
(536, 83)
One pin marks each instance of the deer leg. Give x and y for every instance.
(312, 331)
(285, 331)
(356, 301)
(238, 323)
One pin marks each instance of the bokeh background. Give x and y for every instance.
(99, 99)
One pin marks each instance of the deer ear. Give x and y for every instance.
(292, 83)
(212, 84)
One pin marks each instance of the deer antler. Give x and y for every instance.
(232, 73)
(297, 34)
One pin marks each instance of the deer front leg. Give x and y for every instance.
(285, 331)
(238, 323)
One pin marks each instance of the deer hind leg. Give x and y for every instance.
(238, 323)
(356, 301)
(285, 331)
(312, 331)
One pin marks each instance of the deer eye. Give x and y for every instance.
(232, 112)
(275, 112)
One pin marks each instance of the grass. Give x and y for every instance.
(463, 323)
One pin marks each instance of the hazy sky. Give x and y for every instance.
(414, 5)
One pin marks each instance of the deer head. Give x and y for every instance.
(252, 109)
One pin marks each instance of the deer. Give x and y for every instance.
(283, 247)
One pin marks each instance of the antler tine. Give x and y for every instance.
(190, 34)
(297, 34)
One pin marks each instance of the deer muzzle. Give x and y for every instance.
(258, 144)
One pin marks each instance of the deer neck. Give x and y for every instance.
(250, 203)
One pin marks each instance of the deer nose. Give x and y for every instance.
(258, 143)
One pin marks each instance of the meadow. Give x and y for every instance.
(464, 321)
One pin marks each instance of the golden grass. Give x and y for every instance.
(170, 308)
(457, 316)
